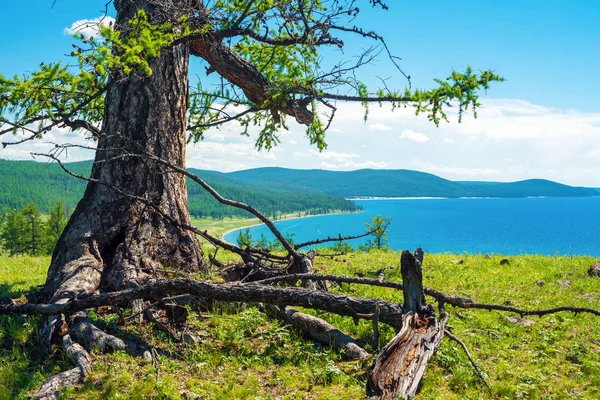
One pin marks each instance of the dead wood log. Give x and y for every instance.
(389, 313)
(457, 301)
(473, 363)
(444, 298)
(400, 365)
(305, 266)
(83, 365)
(94, 339)
(412, 277)
(319, 330)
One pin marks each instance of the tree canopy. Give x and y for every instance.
(268, 52)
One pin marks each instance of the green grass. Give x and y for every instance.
(243, 355)
(20, 274)
(218, 227)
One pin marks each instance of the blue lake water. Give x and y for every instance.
(502, 226)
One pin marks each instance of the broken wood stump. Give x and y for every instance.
(400, 365)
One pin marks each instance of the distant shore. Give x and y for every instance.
(363, 198)
(292, 217)
(394, 198)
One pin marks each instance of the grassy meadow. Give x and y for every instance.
(243, 355)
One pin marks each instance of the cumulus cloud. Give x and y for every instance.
(413, 136)
(337, 161)
(325, 155)
(214, 135)
(510, 140)
(46, 144)
(350, 165)
(89, 27)
(379, 127)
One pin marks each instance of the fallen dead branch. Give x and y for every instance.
(389, 313)
(466, 350)
(454, 300)
(320, 330)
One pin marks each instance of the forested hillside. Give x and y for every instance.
(271, 190)
(399, 183)
(23, 182)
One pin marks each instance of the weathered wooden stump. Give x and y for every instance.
(400, 365)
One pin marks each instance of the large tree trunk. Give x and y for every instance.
(112, 241)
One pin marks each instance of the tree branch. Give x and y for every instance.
(332, 239)
(454, 300)
(389, 313)
(466, 350)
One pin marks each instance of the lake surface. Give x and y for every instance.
(566, 226)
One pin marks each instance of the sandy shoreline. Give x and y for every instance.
(280, 220)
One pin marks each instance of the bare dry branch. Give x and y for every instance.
(466, 350)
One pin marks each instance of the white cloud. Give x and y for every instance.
(46, 145)
(337, 161)
(214, 135)
(413, 136)
(324, 155)
(89, 27)
(510, 140)
(350, 165)
(379, 127)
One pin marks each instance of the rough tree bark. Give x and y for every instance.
(112, 241)
(83, 365)
(400, 365)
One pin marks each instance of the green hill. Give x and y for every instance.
(271, 190)
(22, 182)
(398, 183)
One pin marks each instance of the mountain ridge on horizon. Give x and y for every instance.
(403, 183)
(43, 183)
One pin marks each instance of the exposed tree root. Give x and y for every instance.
(96, 340)
(83, 365)
(153, 316)
(319, 330)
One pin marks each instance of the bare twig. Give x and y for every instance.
(333, 239)
(473, 363)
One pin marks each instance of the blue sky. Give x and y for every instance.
(544, 121)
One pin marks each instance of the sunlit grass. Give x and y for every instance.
(21, 273)
(241, 354)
